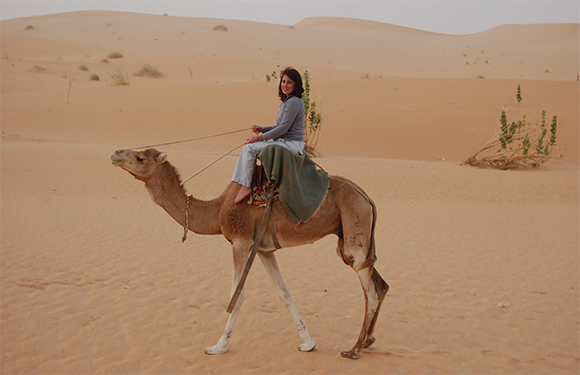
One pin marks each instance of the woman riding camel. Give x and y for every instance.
(288, 131)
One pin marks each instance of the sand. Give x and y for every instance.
(483, 264)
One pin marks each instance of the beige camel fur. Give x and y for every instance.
(347, 212)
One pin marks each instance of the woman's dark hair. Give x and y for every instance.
(294, 75)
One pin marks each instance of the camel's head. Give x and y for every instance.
(141, 164)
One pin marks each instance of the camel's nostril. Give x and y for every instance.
(119, 152)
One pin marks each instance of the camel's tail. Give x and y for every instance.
(372, 256)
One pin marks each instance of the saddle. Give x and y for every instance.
(264, 194)
(262, 189)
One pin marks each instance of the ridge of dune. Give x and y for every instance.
(544, 32)
(355, 23)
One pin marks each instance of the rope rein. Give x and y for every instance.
(190, 140)
(212, 163)
(186, 226)
(198, 139)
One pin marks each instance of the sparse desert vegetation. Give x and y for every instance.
(312, 120)
(517, 145)
(272, 76)
(119, 78)
(38, 69)
(220, 27)
(148, 71)
(115, 55)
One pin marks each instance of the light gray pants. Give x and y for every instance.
(247, 159)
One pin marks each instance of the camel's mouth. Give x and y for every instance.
(116, 160)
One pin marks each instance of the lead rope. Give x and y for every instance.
(186, 227)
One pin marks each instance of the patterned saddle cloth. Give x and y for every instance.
(262, 190)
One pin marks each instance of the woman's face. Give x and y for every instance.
(287, 85)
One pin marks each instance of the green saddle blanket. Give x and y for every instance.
(302, 187)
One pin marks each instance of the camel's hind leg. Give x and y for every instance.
(271, 265)
(381, 287)
(375, 289)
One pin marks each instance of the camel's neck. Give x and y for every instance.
(166, 190)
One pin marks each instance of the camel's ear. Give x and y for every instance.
(162, 158)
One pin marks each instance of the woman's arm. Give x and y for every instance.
(291, 109)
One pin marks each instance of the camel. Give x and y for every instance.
(347, 212)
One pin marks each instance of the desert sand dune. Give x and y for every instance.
(482, 264)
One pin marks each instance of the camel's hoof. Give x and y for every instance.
(350, 354)
(215, 350)
(368, 342)
(307, 346)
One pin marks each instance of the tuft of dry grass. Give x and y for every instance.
(119, 79)
(38, 69)
(220, 27)
(148, 71)
(115, 55)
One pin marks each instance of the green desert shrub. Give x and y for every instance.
(84, 68)
(312, 120)
(95, 77)
(517, 144)
(272, 76)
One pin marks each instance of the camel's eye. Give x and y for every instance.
(140, 158)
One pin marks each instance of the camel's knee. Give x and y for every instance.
(356, 257)
(346, 258)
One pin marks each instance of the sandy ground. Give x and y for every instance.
(95, 279)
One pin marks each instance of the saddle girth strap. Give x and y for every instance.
(274, 236)
(257, 242)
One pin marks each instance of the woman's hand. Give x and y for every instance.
(255, 138)
(257, 129)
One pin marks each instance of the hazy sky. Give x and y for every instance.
(450, 17)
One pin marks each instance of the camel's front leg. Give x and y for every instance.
(269, 261)
(240, 256)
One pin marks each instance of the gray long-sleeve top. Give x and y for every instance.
(289, 121)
